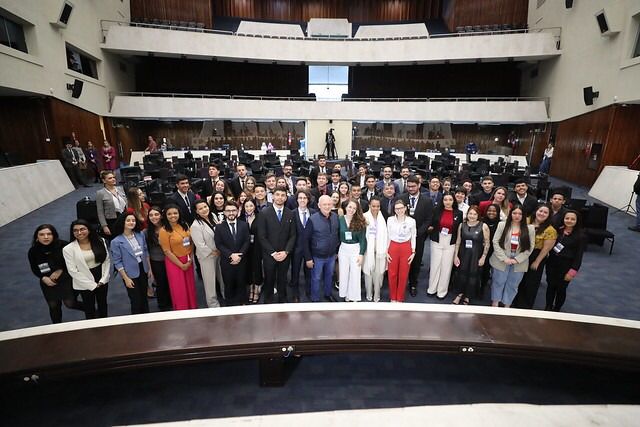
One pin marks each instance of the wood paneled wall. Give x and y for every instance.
(484, 12)
(354, 10)
(174, 10)
(26, 122)
(623, 142)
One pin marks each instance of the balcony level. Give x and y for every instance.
(160, 40)
(424, 110)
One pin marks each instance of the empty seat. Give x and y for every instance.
(596, 226)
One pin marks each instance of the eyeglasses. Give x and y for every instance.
(80, 230)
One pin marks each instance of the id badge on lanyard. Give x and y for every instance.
(186, 241)
(515, 240)
(558, 247)
(348, 235)
(468, 244)
(44, 268)
(444, 231)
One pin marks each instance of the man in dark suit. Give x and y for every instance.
(237, 184)
(370, 191)
(185, 199)
(232, 239)
(321, 188)
(361, 177)
(521, 196)
(557, 208)
(301, 215)
(292, 201)
(277, 236)
(71, 164)
(210, 183)
(287, 174)
(356, 193)
(336, 178)
(484, 195)
(420, 209)
(387, 200)
(320, 168)
(434, 190)
(387, 178)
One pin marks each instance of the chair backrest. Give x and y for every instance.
(597, 217)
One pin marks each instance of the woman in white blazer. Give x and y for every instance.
(375, 259)
(202, 235)
(89, 266)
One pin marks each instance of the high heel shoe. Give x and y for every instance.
(457, 299)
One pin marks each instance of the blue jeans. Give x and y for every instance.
(322, 270)
(504, 284)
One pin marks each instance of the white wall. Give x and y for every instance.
(242, 109)
(588, 59)
(44, 69)
(140, 41)
(317, 130)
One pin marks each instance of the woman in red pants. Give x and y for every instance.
(401, 231)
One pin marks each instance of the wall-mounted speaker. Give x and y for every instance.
(568, 4)
(605, 25)
(75, 88)
(589, 95)
(64, 15)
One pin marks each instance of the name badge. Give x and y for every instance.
(373, 230)
(252, 238)
(468, 244)
(404, 231)
(412, 211)
(558, 248)
(515, 240)
(347, 235)
(186, 242)
(444, 231)
(44, 268)
(138, 253)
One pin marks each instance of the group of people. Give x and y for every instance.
(250, 240)
(80, 163)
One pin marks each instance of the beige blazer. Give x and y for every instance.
(499, 256)
(202, 236)
(79, 271)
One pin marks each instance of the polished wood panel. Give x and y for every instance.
(253, 334)
(484, 12)
(575, 138)
(360, 11)
(623, 143)
(173, 10)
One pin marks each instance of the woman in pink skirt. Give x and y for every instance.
(175, 241)
(108, 157)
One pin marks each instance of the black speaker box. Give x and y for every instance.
(602, 22)
(76, 88)
(568, 4)
(589, 95)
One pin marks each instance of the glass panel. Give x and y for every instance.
(16, 35)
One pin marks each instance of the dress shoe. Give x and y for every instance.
(634, 229)
(413, 291)
(330, 298)
(431, 295)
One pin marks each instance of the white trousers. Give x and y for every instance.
(373, 281)
(442, 254)
(349, 271)
(208, 268)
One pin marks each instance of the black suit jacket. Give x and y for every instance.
(185, 213)
(235, 187)
(423, 213)
(313, 175)
(207, 187)
(68, 158)
(529, 205)
(227, 245)
(386, 207)
(300, 236)
(275, 235)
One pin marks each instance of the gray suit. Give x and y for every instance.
(105, 205)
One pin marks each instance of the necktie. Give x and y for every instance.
(75, 154)
(389, 207)
(413, 202)
(279, 215)
(304, 219)
(186, 202)
(233, 230)
(370, 195)
(242, 184)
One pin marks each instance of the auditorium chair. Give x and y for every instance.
(596, 226)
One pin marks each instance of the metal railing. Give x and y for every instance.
(105, 24)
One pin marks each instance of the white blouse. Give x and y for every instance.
(402, 231)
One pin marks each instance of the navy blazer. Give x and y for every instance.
(300, 237)
(275, 235)
(122, 255)
(185, 214)
(227, 245)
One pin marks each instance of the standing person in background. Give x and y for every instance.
(522, 197)
(401, 250)
(545, 166)
(546, 236)
(387, 200)
(277, 236)
(89, 265)
(565, 260)
(444, 233)
(460, 196)
(512, 244)
(232, 239)
(47, 264)
(157, 258)
(401, 183)
(130, 257)
(375, 259)
(435, 193)
(472, 246)
(209, 184)
(321, 168)
(92, 160)
(557, 208)
(322, 237)
(483, 195)
(636, 189)
(71, 164)
(152, 145)
(491, 218)
(175, 240)
(353, 245)
(108, 157)
(202, 234)
(110, 202)
(420, 208)
(301, 215)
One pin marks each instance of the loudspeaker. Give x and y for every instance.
(75, 88)
(65, 14)
(589, 95)
(568, 4)
(602, 22)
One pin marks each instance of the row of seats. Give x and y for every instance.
(490, 28)
(185, 25)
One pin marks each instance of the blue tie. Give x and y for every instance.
(279, 215)
(304, 219)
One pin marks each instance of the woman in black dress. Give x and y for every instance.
(254, 257)
(491, 219)
(47, 263)
(472, 246)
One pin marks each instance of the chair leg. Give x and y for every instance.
(611, 248)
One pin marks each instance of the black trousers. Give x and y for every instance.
(414, 270)
(275, 273)
(530, 283)
(98, 295)
(557, 267)
(75, 175)
(235, 282)
(138, 295)
(162, 285)
(297, 264)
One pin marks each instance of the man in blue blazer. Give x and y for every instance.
(301, 216)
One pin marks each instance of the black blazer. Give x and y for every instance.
(364, 205)
(313, 175)
(227, 245)
(435, 223)
(386, 207)
(275, 235)
(185, 214)
(68, 159)
(292, 202)
(529, 205)
(423, 213)
(300, 236)
(234, 186)
(207, 187)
